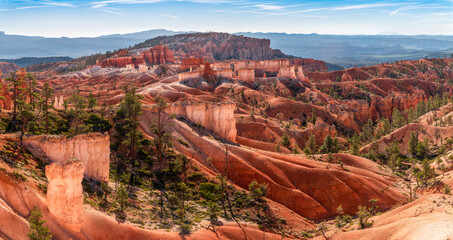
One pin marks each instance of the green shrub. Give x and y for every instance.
(209, 191)
(185, 228)
(213, 210)
(19, 176)
(183, 142)
(37, 229)
(195, 177)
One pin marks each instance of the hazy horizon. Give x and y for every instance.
(188, 31)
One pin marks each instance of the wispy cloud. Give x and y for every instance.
(416, 7)
(170, 16)
(59, 4)
(364, 6)
(269, 7)
(29, 7)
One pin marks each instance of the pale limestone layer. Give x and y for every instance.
(217, 117)
(246, 75)
(92, 149)
(64, 193)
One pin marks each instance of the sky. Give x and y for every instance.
(90, 18)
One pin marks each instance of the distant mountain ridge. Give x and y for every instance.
(27, 61)
(343, 50)
(16, 46)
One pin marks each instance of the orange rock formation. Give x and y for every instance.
(92, 149)
(65, 194)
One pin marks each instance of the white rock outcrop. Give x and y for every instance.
(93, 149)
(216, 117)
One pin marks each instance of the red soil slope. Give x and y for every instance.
(429, 217)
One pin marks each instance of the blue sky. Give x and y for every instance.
(70, 18)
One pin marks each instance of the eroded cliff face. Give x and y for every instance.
(217, 117)
(153, 56)
(92, 149)
(65, 193)
(8, 67)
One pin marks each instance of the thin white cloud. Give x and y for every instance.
(415, 7)
(269, 7)
(170, 16)
(59, 4)
(363, 6)
(29, 7)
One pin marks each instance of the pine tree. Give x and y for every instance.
(78, 114)
(132, 109)
(386, 126)
(330, 145)
(355, 144)
(285, 141)
(18, 89)
(46, 96)
(422, 149)
(163, 140)
(38, 231)
(393, 153)
(413, 142)
(397, 119)
(122, 197)
(92, 102)
(310, 147)
(367, 131)
(31, 88)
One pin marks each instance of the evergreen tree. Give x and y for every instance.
(31, 88)
(310, 147)
(131, 107)
(285, 141)
(38, 231)
(367, 131)
(393, 153)
(413, 142)
(422, 149)
(397, 119)
(122, 197)
(92, 102)
(46, 96)
(386, 126)
(18, 89)
(355, 144)
(77, 114)
(163, 139)
(330, 145)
